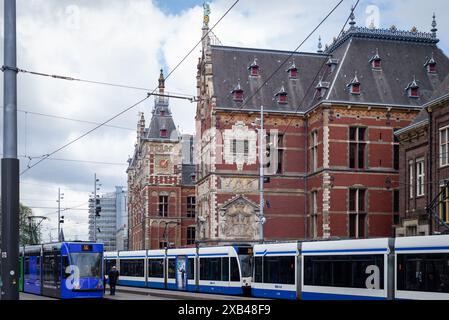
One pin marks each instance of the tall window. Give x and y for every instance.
(411, 177)
(396, 153)
(191, 207)
(314, 151)
(240, 147)
(420, 176)
(357, 213)
(190, 235)
(357, 146)
(163, 206)
(444, 204)
(314, 215)
(280, 167)
(444, 142)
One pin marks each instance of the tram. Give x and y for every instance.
(415, 268)
(223, 270)
(66, 270)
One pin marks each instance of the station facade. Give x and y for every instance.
(330, 119)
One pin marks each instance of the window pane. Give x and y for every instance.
(352, 134)
(352, 151)
(258, 269)
(191, 269)
(352, 225)
(361, 200)
(235, 272)
(362, 132)
(361, 156)
(352, 199)
(171, 269)
(423, 272)
(344, 271)
(225, 269)
(156, 268)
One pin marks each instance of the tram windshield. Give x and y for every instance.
(89, 264)
(245, 264)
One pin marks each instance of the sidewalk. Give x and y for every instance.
(182, 295)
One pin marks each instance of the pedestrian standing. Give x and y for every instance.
(113, 279)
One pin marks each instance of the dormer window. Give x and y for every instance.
(237, 93)
(254, 68)
(162, 113)
(163, 133)
(354, 86)
(332, 63)
(193, 177)
(376, 61)
(281, 96)
(321, 88)
(413, 89)
(293, 71)
(431, 65)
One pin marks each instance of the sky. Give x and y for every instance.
(128, 42)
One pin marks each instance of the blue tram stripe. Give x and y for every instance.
(275, 252)
(422, 249)
(346, 250)
(275, 294)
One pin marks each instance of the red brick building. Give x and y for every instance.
(161, 183)
(330, 117)
(424, 169)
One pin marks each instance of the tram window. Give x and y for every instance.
(171, 268)
(65, 264)
(344, 271)
(191, 269)
(156, 268)
(423, 272)
(225, 269)
(279, 270)
(258, 269)
(131, 268)
(26, 267)
(235, 272)
(210, 269)
(52, 270)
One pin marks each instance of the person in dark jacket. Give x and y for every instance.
(113, 279)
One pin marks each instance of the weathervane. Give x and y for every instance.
(206, 7)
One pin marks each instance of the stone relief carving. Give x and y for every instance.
(239, 220)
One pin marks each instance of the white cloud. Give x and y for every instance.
(128, 42)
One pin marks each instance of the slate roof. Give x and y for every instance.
(188, 172)
(403, 55)
(161, 119)
(230, 65)
(442, 90)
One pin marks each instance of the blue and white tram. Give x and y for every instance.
(422, 268)
(347, 270)
(132, 265)
(156, 270)
(275, 271)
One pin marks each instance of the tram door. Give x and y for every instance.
(181, 272)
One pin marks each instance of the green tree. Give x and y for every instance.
(30, 231)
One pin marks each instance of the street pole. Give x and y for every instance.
(59, 214)
(10, 163)
(95, 207)
(261, 171)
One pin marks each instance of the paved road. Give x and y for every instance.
(26, 296)
(133, 296)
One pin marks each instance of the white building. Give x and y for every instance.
(112, 222)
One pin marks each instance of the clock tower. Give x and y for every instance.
(161, 183)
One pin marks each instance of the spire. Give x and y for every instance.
(161, 82)
(352, 18)
(434, 27)
(320, 45)
(206, 18)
